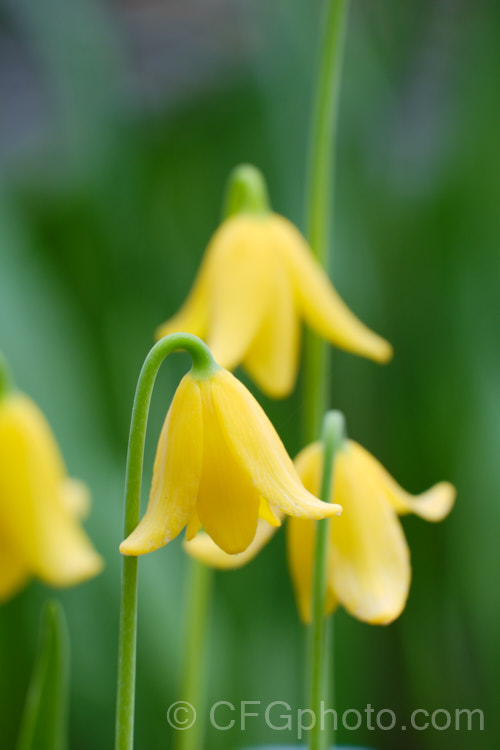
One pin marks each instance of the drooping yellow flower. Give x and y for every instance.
(40, 506)
(219, 465)
(368, 564)
(257, 282)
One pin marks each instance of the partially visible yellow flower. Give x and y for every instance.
(40, 506)
(219, 465)
(257, 282)
(368, 562)
(204, 549)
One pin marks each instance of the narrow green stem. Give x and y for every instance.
(198, 613)
(203, 365)
(333, 437)
(320, 198)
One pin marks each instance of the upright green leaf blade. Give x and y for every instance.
(44, 722)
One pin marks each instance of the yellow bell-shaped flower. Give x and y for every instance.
(369, 569)
(258, 281)
(368, 560)
(221, 465)
(40, 506)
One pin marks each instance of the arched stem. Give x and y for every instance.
(203, 366)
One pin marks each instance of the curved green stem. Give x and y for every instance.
(320, 198)
(203, 366)
(333, 438)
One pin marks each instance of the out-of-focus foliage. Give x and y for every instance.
(44, 724)
(120, 125)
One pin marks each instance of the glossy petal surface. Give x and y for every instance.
(176, 473)
(370, 565)
(272, 359)
(228, 501)
(259, 451)
(320, 304)
(242, 289)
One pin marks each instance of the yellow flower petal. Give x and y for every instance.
(193, 526)
(228, 502)
(241, 288)
(269, 514)
(301, 541)
(193, 315)
(301, 536)
(65, 555)
(370, 572)
(272, 359)
(176, 473)
(35, 519)
(320, 304)
(309, 466)
(433, 505)
(76, 497)
(204, 549)
(260, 453)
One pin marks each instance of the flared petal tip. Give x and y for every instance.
(325, 510)
(140, 543)
(313, 509)
(380, 610)
(84, 565)
(129, 550)
(436, 503)
(384, 617)
(382, 351)
(94, 566)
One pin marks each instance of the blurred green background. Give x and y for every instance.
(119, 124)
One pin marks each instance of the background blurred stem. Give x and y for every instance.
(333, 435)
(5, 376)
(316, 371)
(319, 207)
(198, 613)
